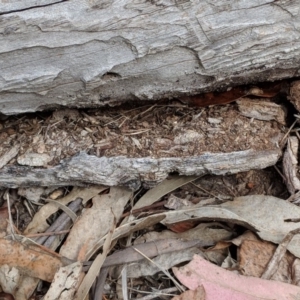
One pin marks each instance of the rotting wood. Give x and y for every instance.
(145, 144)
(91, 53)
(290, 165)
(158, 131)
(9, 155)
(262, 109)
(87, 169)
(295, 94)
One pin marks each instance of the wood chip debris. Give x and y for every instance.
(136, 132)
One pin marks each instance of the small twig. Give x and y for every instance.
(164, 292)
(52, 125)
(294, 198)
(177, 284)
(99, 284)
(125, 119)
(144, 112)
(294, 220)
(278, 254)
(145, 208)
(28, 207)
(281, 175)
(233, 194)
(124, 282)
(47, 233)
(136, 132)
(18, 215)
(282, 142)
(204, 190)
(12, 229)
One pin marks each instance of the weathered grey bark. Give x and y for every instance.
(87, 169)
(95, 52)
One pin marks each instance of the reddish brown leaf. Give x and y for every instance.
(182, 226)
(214, 98)
(6, 296)
(266, 90)
(255, 255)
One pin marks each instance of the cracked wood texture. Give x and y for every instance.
(96, 52)
(85, 169)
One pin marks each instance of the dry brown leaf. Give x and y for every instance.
(197, 294)
(150, 250)
(279, 254)
(95, 221)
(31, 193)
(26, 287)
(208, 233)
(164, 261)
(128, 228)
(165, 187)
(216, 256)
(296, 272)
(29, 259)
(174, 202)
(255, 255)
(221, 246)
(94, 270)
(264, 214)
(246, 236)
(39, 221)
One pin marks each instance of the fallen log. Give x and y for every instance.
(88, 169)
(93, 53)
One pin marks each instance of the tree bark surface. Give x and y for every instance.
(88, 169)
(97, 52)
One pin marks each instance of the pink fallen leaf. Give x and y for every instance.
(226, 285)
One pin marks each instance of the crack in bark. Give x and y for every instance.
(32, 7)
(282, 8)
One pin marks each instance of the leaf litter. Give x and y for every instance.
(233, 236)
